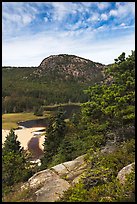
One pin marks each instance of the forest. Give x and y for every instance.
(106, 117)
(23, 90)
(19, 95)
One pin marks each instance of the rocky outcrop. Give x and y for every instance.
(68, 66)
(125, 171)
(51, 183)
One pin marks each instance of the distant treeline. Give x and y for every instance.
(21, 91)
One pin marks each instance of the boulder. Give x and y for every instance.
(71, 169)
(60, 169)
(125, 171)
(39, 178)
(77, 163)
(52, 189)
(50, 184)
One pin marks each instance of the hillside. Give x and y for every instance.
(66, 67)
(58, 79)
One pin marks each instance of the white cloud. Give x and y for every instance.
(46, 19)
(101, 28)
(132, 6)
(88, 4)
(31, 51)
(103, 5)
(113, 12)
(84, 38)
(18, 12)
(122, 24)
(26, 19)
(75, 26)
(104, 16)
(16, 16)
(94, 17)
(62, 9)
(106, 51)
(123, 10)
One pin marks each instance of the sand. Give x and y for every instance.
(24, 136)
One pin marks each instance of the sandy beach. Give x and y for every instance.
(24, 136)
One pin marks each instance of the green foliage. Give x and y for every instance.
(14, 164)
(113, 104)
(99, 183)
(17, 194)
(65, 152)
(108, 115)
(75, 194)
(11, 144)
(120, 59)
(75, 119)
(38, 111)
(54, 135)
(23, 91)
(120, 157)
(13, 168)
(113, 192)
(106, 118)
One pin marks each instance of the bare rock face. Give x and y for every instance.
(68, 66)
(125, 171)
(71, 169)
(52, 188)
(51, 183)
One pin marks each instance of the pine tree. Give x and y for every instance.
(113, 104)
(11, 143)
(13, 161)
(54, 135)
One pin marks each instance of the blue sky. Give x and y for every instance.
(99, 31)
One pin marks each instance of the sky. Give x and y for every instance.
(99, 31)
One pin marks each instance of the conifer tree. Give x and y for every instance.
(113, 104)
(54, 135)
(13, 161)
(11, 143)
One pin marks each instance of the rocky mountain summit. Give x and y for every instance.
(69, 66)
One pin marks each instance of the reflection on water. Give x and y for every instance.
(33, 147)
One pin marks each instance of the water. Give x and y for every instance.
(33, 147)
(33, 143)
(34, 123)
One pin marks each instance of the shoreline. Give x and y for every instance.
(24, 135)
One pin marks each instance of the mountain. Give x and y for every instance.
(58, 79)
(68, 67)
